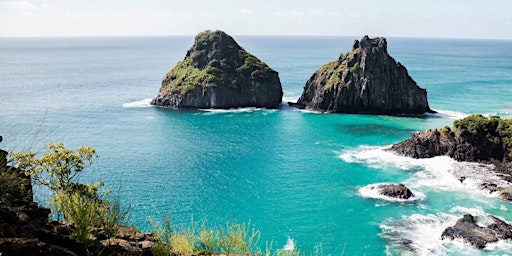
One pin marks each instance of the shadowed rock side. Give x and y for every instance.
(365, 80)
(218, 73)
(478, 236)
(460, 145)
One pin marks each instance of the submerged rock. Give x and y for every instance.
(478, 236)
(365, 80)
(218, 73)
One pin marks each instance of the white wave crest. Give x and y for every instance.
(138, 104)
(372, 191)
(440, 173)
(449, 114)
(234, 110)
(290, 245)
(421, 234)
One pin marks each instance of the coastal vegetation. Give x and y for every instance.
(494, 128)
(89, 213)
(85, 206)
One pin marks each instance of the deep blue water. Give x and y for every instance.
(293, 174)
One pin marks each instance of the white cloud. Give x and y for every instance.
(22, 6)
(245, 12)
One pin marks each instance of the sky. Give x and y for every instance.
(486, 19)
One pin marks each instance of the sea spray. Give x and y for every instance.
(438, 173)
(420, 234)
(138, 104)
(373, 191)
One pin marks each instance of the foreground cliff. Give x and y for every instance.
(365, 80)
(218, 73)
(25, 228)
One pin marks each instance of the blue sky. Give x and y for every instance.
(405, 18)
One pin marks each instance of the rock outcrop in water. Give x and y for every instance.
(365, 80)
(473, 139)
(399, 191)
(467, 229)
(218, 73)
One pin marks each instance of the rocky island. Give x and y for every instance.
(217, 73)
(366, 80)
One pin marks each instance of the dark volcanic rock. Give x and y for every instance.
(218, 73)
(473, 139)
(393, 190)
(365, 80)
(460, 145)
(467, 229)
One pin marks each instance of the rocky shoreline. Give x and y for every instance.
(25, 228)
(473, 139)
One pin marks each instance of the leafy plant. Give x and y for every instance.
(239, 239)
(82, 205)
(58, 168)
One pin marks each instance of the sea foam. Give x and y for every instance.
(233, 110)
(138, 104)
(448, 114)
(420, 234)
(438, 173)
(372, 191)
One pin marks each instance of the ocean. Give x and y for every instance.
(295, 175)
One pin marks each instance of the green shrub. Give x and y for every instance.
(203, 240)
(446, 130)
(493, 128)
(58, 168)
(355, 68)
(239, 239)
(79, 204)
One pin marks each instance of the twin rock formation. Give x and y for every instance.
(218, 73)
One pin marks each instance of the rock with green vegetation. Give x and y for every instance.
(366, 80)
(218, 73)
(475, 138)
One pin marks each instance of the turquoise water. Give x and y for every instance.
(293, 174)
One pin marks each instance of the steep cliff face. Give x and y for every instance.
(365, 80)
(218, 73)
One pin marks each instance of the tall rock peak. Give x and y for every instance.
(217, 73)
(365, 80)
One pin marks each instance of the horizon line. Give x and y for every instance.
(249, 35)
